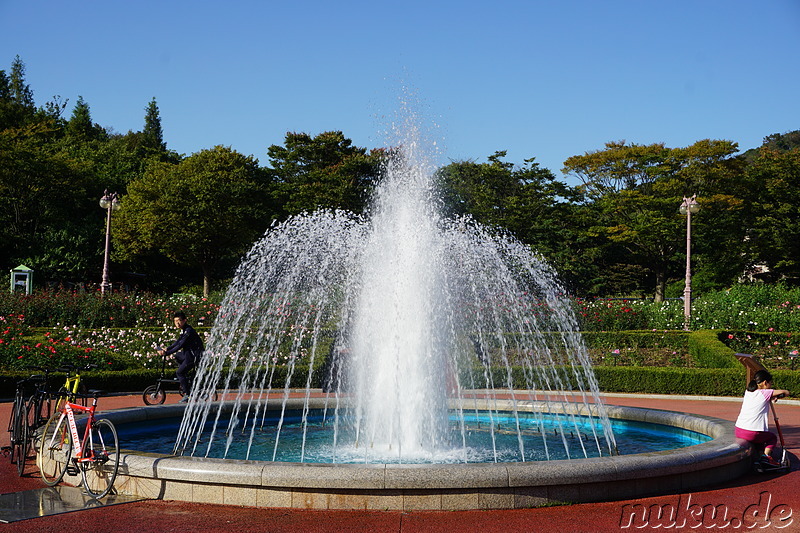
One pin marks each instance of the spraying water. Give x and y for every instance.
(402, 313)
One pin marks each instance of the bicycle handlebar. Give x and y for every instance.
(74, 368)
(32, 379)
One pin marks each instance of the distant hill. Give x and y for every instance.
(783, 142)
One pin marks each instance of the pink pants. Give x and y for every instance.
(757, 437)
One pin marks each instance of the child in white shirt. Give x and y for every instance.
(753, 422)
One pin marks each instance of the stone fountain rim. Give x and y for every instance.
(722, 451)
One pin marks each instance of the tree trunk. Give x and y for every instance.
(206, 280)
(661, 286)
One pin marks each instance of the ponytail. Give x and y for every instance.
(760, 377)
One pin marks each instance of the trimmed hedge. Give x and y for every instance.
(710, 352)
(137, 380)
(669, 380)
(626, 379)
(720, 373)
(687, 381)
(609, 340)
(681, 381)
(109, 381)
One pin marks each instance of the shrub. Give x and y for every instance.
(774, 349)
(116, 309)
(610, 314)
(610, 340)
(21, 347)
(746, 307)
(687, 381)
(709, 352)
(657, 348)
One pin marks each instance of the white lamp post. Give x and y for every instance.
(109, 202)
(688, 206)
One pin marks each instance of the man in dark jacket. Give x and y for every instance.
(188, 350)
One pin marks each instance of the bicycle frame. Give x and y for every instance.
(35, 402)
(72, 382)
(69, 409)
(72, 385)
(40, 403)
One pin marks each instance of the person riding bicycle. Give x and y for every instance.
(188, 350)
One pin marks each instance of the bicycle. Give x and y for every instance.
(39, 404)
(27, 415)
(157, 394)
(95, 456)
(72, 388)
(17, 426)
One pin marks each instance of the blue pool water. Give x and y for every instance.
(472, 440)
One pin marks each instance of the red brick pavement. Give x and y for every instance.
(748, 501)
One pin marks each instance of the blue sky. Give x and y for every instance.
(543, 79)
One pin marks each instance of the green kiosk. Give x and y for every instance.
(22, 279)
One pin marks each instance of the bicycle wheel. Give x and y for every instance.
(55, 450)
(22, 446)
(83, 394)
(15, 426)
(39, 413)
(212, 396)
(154, 395)
(100, 462)
(61, 396)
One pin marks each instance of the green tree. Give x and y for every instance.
(153, 135)
(485, 191)
(638, 189)
(720, 248)
(21, 92)
(325, 171)
(781, 142)
(528, 202)
(776, 231)
(202, 212)
(43, 198)
(17, 106)
(80, 125)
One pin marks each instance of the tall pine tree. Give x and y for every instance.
(16, 97)
(21, 92)
(152, 135)
(80, 123)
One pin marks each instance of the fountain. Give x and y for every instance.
(412, 310)
(416, 327)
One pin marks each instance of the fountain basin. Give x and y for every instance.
(435, 486)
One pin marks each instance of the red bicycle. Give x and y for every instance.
(63, 451)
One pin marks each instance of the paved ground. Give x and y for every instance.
(756, 502)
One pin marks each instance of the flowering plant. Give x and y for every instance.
(116, 309)
(21, 348)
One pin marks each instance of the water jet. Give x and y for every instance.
(401, 326)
